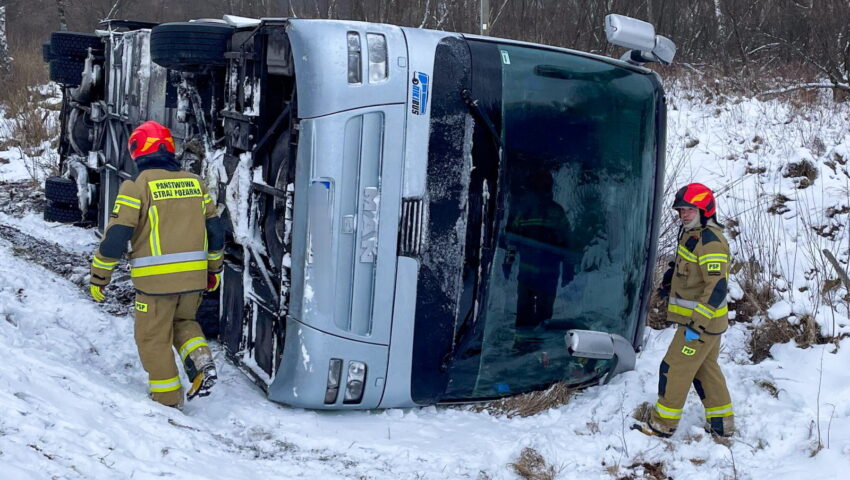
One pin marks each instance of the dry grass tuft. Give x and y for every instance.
(643, 412)
(528, 404)
(28, 68)
(645, 470)
(532, 466)
(803, 172)
(778, 207)
(769, 386)
(656, 318)
(758, 295)
(805, 332)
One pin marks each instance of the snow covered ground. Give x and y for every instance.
(74, 402)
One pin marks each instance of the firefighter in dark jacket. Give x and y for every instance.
(697, 303)
(176, 241)
(540, 235)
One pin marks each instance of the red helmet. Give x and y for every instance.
(696, 195)
(149, 137)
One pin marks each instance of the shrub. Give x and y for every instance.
(806, 333)
(532, 466)
(31, 127)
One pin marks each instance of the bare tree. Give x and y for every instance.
(61, 7)
(114, 10)
(5, 60)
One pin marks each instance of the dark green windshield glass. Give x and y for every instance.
(575, 199)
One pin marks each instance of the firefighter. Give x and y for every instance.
(697, 303)
(539, 231)
(176, 241)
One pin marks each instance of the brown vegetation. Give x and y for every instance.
(778, 206)
(528, 404)
(805, 332)
(27, 119)
(642, 412)
(644, 471)
(656, 318)
(803, 172)
(758, 296)
(532, 466)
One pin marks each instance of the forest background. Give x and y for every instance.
(757, 46)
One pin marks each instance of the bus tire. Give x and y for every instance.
(67, 71)
(71, 44)
(190, 46)
(60, 190)
(57, 212)
(46, 53)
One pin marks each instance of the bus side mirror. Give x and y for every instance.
(629, 32)
(602, 346)
(664, 50)
(640, 38)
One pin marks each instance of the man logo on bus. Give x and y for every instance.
(419, 92)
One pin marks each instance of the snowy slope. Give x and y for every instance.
(750, 152)
(74, 402)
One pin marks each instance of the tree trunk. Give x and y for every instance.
(5, 61)
(718, 17)
(61, 5)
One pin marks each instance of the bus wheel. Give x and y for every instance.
(76, 45)
(190, 46)
(61, 190)
(62, 213)
(67, 71)
(46, 54)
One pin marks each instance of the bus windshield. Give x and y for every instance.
(573, 221)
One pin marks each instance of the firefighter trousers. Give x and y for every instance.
(164, 322)
(687, 363)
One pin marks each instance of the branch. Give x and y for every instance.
(769, 45)
(114, 9)
(841, 272)
(802, 55)
(692, 68)
(425, 15)
(805, 86)
(502, 8)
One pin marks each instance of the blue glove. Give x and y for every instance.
(690, 335)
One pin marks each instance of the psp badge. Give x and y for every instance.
(420, 83)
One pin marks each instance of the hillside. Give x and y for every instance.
(75, 402)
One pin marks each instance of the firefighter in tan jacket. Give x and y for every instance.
(697, 303)
(176, 241)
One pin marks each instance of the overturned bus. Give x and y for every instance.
(413, 216)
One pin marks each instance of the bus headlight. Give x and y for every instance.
(355, 382)
(334, 374)
(354, 66)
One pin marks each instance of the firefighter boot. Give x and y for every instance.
(177, 406)
(201, 369)
(203, 382)
(646, 429)
(721, 426)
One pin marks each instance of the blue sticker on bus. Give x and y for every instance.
(419, 93)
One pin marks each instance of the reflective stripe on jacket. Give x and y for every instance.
(700, 280)
(165, 215)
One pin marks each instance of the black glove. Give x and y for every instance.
(666, 280)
